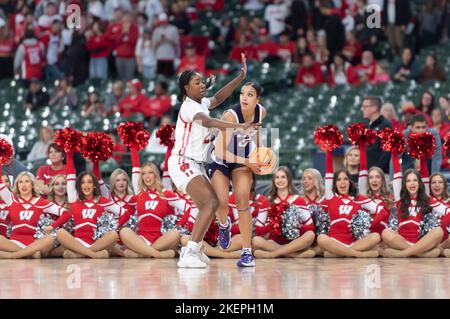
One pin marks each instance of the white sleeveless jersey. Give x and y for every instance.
(191, 139)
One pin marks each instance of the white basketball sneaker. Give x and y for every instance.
(202, 255)
(190, 259)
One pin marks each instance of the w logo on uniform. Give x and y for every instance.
(151, 204)
(413, 211)
(3, 214)
(88, 213)
(345, 209)
(26, 214)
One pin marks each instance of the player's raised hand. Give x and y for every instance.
(244, 65)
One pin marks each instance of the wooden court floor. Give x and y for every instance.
(278, 278)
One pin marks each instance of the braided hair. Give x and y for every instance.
(185, 78)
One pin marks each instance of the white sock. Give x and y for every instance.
(193, 246)
(246, 250)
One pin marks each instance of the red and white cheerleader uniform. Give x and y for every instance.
(306, 221)
(24, 215)
(341, 209)
(86, 213)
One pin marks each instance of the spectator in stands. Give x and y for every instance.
(371, 111)
(65, 94)
(36, 96)
(158, 105)
(152, 8)
(342, 72)
(310, 73)
(113, 99)
(142, 23)
(243, 28)
(440, 122)
(419, 125)
(432, 70)
(426, 105)
(301, 49)
(408, 112)
(256, 24)
(135, 101)
(329, 18)
(111, 6)
(321, 53)
(223, 36)
(29, 60)
(125, 48)
(93, 106)
(311, 38)
(286, 48)
(54, 47)
(367, 69)
(145, 56)
(51, 14)
(407, 69)
(7, 47)
(39, 149)
(45, 173)
(13, 167)
(388, 111)
(430, 21)
(352, 49)
(396, 16)
(275, 14)
(179, 18)
(166, 41)
(76, 59)
(266, 48)
(444, 103)
(243, 46)
(192, 61)
(351, 162)
(99, 46)
(297, 21)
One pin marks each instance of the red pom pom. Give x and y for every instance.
(6, 151)
(97, 146)
(392, 140)
(212, 234)
(69, 139)
(165, 135)
(359, 134)
(421, 145)
(446, 145)
(133, 135)
(328, 137)
(274, 218)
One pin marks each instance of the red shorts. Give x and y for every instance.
(378, 228)
(411, 238)
(22, 241)
(149, 238)
(280, 240)
(344, 238)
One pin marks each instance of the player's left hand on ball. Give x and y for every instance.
(255, 167)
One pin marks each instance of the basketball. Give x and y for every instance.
(265, 156)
